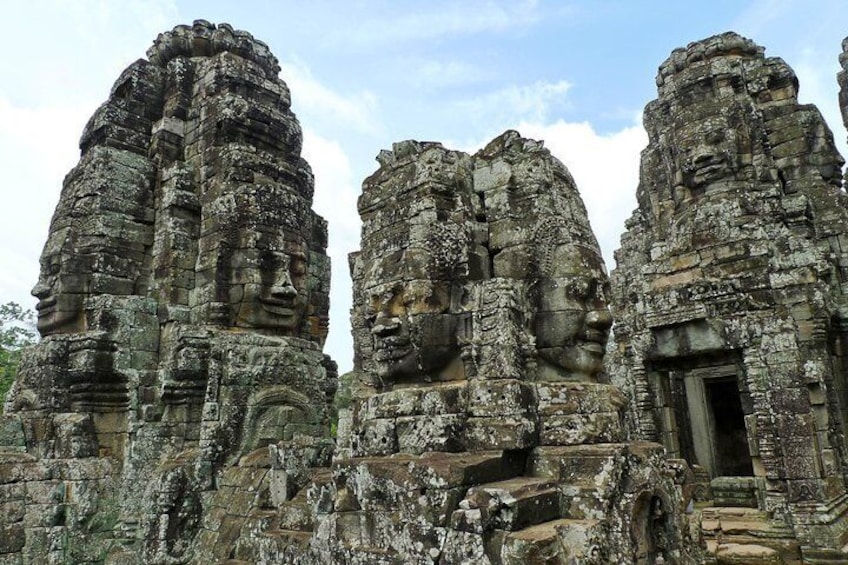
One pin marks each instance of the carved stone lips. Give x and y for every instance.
(592, 347)
(710, 170)
(46, 306)
(594, 341)
(390, 348)
(384, 355)
(279, 307)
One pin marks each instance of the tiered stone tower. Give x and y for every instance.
(183, 304)
(483, 429)
(729, 300)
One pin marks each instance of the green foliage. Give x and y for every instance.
(17, 330)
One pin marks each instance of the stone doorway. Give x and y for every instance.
(730, 448)
(703, 418)
(719, 438)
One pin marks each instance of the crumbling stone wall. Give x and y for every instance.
(731, 277)
(183, 305)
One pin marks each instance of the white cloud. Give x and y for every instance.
(435, 74)
(77, 48)
(38, 147)
(530, 102)
(63, 70)
(447, 18)
(321, 104)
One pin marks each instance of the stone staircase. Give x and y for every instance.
(523, 521)
(737, 535)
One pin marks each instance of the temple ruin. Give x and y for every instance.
(729, 300)
(183, 304)
(179, 408)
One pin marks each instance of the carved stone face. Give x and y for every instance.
(573, 321)
(412, 329)
(707, 151)
(269, 288)
(63, 284)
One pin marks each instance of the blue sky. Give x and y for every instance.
(365, 73)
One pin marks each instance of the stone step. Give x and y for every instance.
(747, 554)
(747, 535)
(430, 484)
(826, 556)
(556, 541)
(575, 463)
(733, 513)
(508, 505)
(734, 520)
(734, 491)
(290, 537)
(447, 469)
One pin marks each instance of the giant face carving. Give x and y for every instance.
(63, 284)
(268, 288)
(706, 151)
(412, 328)
(573, 321)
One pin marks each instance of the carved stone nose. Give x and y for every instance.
(385, 327)
(40, 290)
(283, 287)
(284, 290)
(599, 319)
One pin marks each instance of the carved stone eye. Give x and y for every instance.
(52, 268)
(715, 136)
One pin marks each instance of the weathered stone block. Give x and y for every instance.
(419, 434)
(504, 432)
(568, 464)
(375, 437)
(598, 427)
(565, 398)
(557, 541)
(507, 397)
(12, 538)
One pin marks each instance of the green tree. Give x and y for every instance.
(17, 330)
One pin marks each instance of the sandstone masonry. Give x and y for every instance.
(179, 407)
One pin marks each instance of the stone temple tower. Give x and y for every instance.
(483, 429)
(729, 300)
(183, 303)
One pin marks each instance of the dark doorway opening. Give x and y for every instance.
(731, 438)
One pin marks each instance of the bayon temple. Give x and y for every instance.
(509, 404)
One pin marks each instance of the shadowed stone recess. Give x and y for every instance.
(729, 300)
